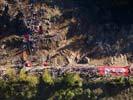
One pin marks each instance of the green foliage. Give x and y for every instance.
(21, 87)
(122, 80)
(31, 79)
(11, 74)
(119, 81)
(70, 87)
(88, 94)
(131, 81)
(72, 79)
(67, 94)
(47, 78)
(67, 87)
(22, 75)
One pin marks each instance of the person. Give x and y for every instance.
(29, 31)
(42, 10)
(28, 43)
(45, 63)
(28, 64)
(40, 29)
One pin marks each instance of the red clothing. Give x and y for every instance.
(28, 64)
(45, 63)
(26, 37)
(40, 31)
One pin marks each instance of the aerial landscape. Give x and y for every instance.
(66, 50)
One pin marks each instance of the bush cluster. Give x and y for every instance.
(70, 86)
(25, 86)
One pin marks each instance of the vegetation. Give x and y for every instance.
(45, 87)
(82, 40)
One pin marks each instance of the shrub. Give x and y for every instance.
(22, 75)
(47, 78)
(69, 95)
(31, 79)
(88, 94)
(11, 74)
(72, 79)
(131, 81)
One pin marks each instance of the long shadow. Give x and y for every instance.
(109, 89)
(107, 28)
(10, 25)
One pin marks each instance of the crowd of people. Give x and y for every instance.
(25, 19)
(26, 22)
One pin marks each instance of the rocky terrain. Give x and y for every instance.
(72, 38)
(75, 33)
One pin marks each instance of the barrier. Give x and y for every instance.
(86, 71)
(113, 71)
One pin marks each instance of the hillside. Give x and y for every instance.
(69, 38)
(75, 36)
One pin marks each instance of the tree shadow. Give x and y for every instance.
(108, 89)
(107, 28)
(10, 25)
